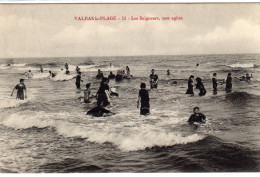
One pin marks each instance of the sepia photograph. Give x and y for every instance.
(129, 88)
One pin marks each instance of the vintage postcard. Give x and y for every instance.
(108, 88)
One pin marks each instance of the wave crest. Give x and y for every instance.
(135, 138)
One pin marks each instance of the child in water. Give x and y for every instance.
(144, 99)
(21, 90)
(197, 116)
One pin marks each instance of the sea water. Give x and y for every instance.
(50, 131)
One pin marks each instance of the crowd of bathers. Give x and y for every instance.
(104, 92)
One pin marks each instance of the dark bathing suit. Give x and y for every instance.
(202, 89)
(78, 79)
(20, 87)
(215, 85)
(145, 106)
(119, 77)
(111, 76)
(190, 87)
(102, 97)
(229, 84)
(99, 76)
(196, 118)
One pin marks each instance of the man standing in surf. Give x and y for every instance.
(21, 90)
(154, 80)
(144, 99)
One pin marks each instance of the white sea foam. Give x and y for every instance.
(40, 75)
(244, 65)
(62, 77)
(112, 68)
(4, 66)
(27, 69)
(10, 102)
(82, 67)
(18, 65)
(126, 138)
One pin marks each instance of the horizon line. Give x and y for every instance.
(95, 56)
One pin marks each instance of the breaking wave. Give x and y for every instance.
(126, 138)
(244, 65)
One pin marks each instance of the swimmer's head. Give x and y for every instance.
(79, 73)
(196, 110)
(214, 74)
(198, 79)
(174, 82)
(21, 80)
(143, 85)
(88, 85)
(29, 70)
(152, 70)
(229, 74)
(247, 74)
(50, 72)
(111, 72)
(191, 76)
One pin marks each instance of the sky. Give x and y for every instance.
(50, 30)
